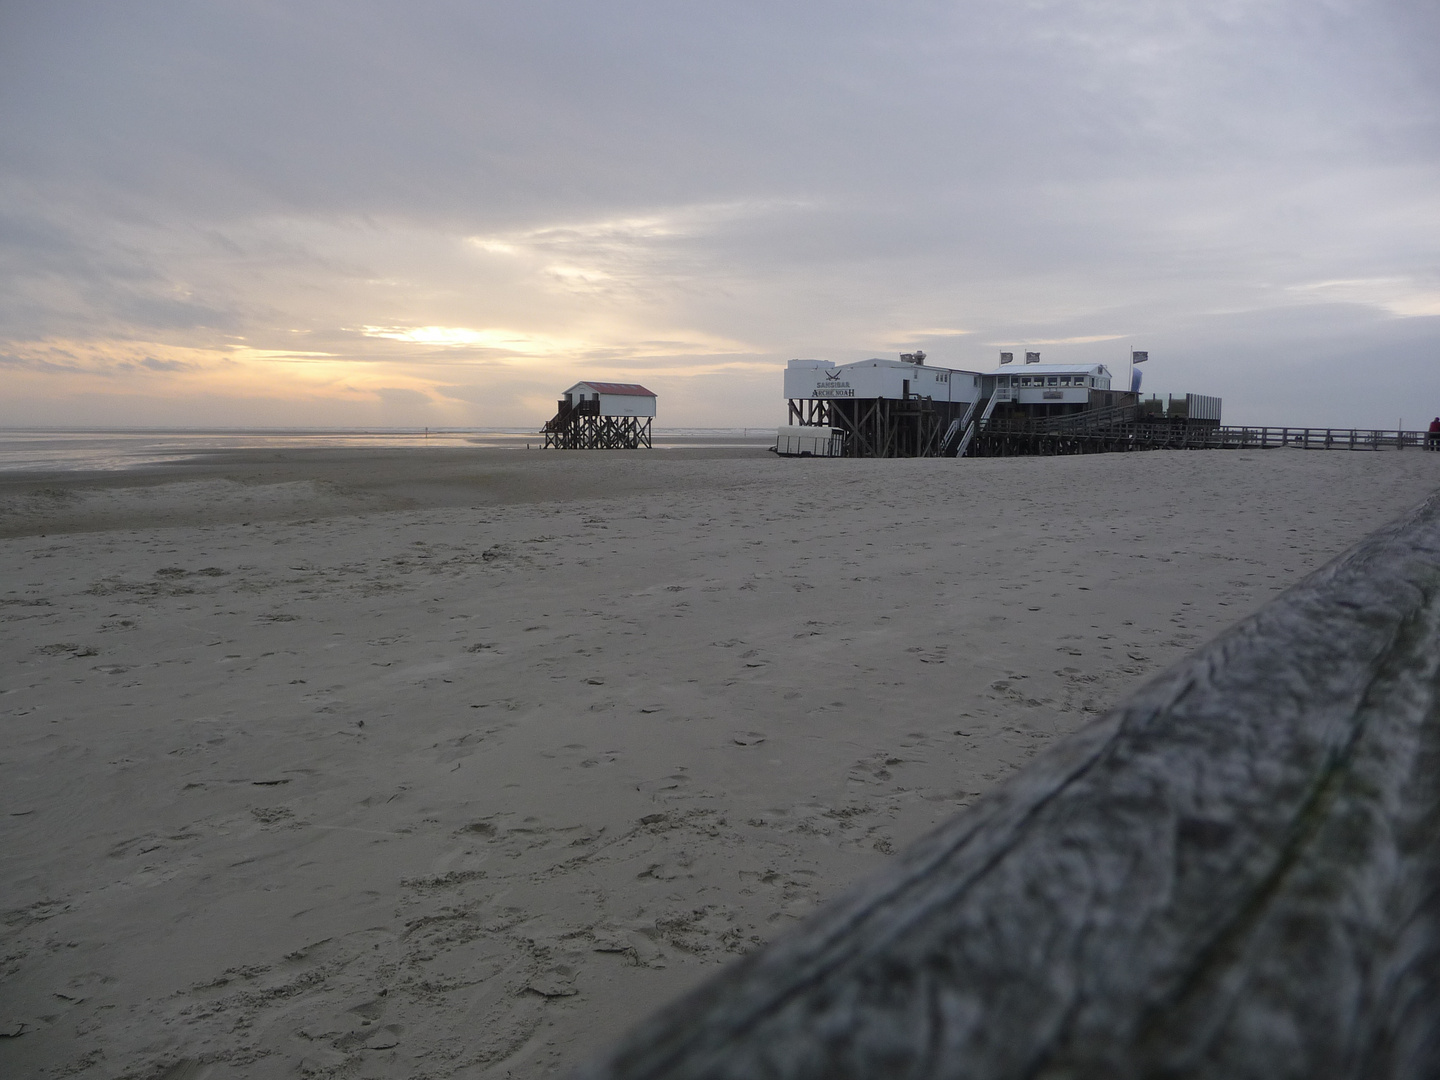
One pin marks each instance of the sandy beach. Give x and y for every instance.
(432, 763)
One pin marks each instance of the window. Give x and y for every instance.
(1052, 381)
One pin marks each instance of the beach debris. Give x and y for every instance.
(556, 983)
(61, 648)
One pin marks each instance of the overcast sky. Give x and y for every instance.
(291, 213)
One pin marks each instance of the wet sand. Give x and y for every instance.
(433, 763)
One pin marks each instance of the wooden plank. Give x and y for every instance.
(1234, 874)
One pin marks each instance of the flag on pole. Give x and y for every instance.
(1138, 357)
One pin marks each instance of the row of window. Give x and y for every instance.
(1047, 380)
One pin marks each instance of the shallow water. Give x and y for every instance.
(40, 450)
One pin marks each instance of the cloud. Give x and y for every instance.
(400, 396)
(338, 201)
(1082, 339)
(506, 341)
(165, 365)
(1403, 296)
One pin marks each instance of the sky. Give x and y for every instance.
(245, 213)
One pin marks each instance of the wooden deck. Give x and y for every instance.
(1234, 874)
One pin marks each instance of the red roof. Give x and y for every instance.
(629, 389)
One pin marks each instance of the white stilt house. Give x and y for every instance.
(602, 416)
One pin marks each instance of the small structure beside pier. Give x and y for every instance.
(602, 416)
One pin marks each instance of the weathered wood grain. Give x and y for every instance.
(1234, 874)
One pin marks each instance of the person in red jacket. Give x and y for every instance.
(1432, 440)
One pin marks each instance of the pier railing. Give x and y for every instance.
(1120, 432)
(1233, 874)
(1320, 438)
(1086, 420)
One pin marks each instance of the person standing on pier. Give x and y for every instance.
(1432, 440)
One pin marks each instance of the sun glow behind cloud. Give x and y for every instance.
(619, 344)
(508, 341)
(297, 382)
(1403, 297)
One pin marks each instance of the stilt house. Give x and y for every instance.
(602, 416)
(881, 408)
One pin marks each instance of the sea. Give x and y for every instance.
(108, 450)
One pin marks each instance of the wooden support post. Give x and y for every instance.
(1234, 874)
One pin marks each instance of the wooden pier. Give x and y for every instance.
(1117, 430)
